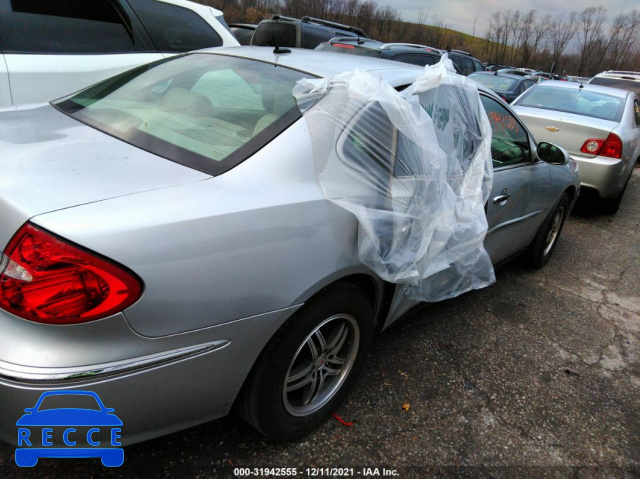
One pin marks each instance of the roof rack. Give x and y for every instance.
(282, 17)
(320, 21)
(389, 46)
(327, 23)
(620, 72)
(459, 51)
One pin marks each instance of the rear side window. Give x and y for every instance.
(175, 29)
(465, 64)
(313, 36)
(65, 26)
(285, 33)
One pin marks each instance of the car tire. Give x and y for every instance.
(542, 246)
(307, 369)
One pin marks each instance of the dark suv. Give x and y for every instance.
(467, 63)
(401, 52)
(308, 32)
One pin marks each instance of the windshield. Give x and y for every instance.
(494, 82)
(578, 101)
(208, 112)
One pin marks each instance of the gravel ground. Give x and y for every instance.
(535, 376)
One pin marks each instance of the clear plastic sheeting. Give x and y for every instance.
(414, 167)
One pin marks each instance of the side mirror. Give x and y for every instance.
(553, 154)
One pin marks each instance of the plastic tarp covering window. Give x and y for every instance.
(414, 167)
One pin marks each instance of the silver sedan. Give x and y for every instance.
(167, 246)
(598, 125)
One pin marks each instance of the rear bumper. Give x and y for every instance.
(153, 394)
(605, 175)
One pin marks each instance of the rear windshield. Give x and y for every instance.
(205, 111)
(285, 34)
(578, 101)
(623, 84)
(498, 83)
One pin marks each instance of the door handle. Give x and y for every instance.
(504, 196)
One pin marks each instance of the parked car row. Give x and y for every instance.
(402, 52)
(599, 126)
(311, 32)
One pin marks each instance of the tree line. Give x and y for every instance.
(579, 43)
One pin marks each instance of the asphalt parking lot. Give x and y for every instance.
(535, 376)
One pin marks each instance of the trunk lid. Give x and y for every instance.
(50, 161)
(565, 129)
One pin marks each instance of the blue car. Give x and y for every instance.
(46, 431)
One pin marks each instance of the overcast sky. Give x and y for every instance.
(461, 14)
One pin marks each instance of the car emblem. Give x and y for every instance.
(552, 129)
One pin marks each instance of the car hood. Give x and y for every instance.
(50, 161)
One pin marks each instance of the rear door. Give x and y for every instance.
(52, 49)
(518, 201)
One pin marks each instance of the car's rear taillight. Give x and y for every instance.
(343, 45)
(610, 147)
(48, 280)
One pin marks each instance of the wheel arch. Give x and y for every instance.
(378, 292)
(572, 193)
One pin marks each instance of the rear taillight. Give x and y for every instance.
(343, 45)
(47, 280)
(611, 147)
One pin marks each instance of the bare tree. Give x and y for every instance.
(561, 32)
(523, 38)
(419, 30)
(589, 35)
(439, 34)
(623, 36)
(540, 32)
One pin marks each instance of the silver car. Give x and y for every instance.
(598, 125)
(171, 250)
